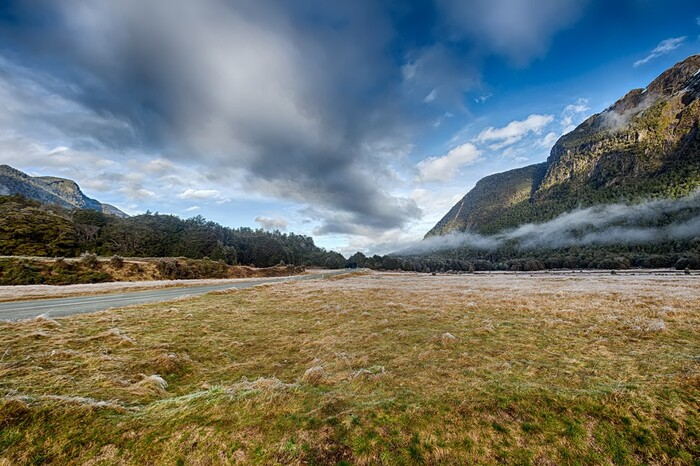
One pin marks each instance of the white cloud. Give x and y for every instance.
(573, 114)
(580, 106)
(430, 97)
(436, 201)
(137, 193)
(665, 46)
(442, 118)
(158, 166)
(549, 140)
(272, 223)
(408, 70)
(445, 168)
(202, 194)
(513, 131)
(192, 209)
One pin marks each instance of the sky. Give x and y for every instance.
(357, 122)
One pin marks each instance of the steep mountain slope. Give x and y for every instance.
(492, 197)
(646, 145)
(47, 189)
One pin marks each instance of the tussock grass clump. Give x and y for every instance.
(115, 335)
(170, 363)
(149, 386)
(370, 372)
(656, 325)
(314, 375)
(63, 354)
(534, 370)
(262, 384)
(44, 319)
(447, 339)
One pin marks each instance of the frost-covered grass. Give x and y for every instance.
(368, 369)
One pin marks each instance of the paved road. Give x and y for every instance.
(83, 304)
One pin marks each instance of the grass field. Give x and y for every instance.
(366, 369)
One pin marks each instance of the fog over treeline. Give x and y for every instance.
(646, 222)
(656, 233)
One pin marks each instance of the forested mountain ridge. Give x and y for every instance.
(491, 198)
(646, 145)
(52, 190)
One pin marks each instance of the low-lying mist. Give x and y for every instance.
(646, 222)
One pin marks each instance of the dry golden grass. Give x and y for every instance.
(90, 269)
(377, 368)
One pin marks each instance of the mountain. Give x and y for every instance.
(48, 189)
(645, 146)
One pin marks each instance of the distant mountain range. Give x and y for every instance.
(48, 189)
(645, 146)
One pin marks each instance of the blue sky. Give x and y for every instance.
(357, 122)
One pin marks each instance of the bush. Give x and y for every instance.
(116, 261)
(21, 273)
(168, 269)
(61, 264)
(89, 259)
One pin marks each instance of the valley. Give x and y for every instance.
(350, 233)
(366, 368)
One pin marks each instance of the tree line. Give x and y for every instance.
(663, 254)
(29, 228)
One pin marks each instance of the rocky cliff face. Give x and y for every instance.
(47, 189)
(70, 191)
(638, 136)
(646, 145)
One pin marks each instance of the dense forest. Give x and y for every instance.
(666, 254)
(28, 228)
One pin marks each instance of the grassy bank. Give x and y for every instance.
(393, 369)
(91, 269)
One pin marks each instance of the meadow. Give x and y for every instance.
(366, 368)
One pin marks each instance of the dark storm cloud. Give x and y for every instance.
(297, 96)
(292, 95)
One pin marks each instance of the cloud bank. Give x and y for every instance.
(604, 224)
(272, 223)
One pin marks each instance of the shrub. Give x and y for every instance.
(89, 259)
(21, 273)
(117, 262)
(167, 268)
(61, 264)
